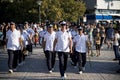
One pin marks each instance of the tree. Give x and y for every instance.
(69, 10)
(53, 10)
(73, 9)
(18, 11)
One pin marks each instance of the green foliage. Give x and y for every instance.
(18, 11)
(54, 10)
(73, 9)
(51, 10)
(69, 10)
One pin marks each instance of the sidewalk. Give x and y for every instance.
(99, 68)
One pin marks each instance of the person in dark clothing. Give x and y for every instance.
(5, 29)
(109, 36)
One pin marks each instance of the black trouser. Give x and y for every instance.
(73, 57)
(13, 58)
(101, 42)
(29, 47)
(63, 56)
(24, 57)
(20, 56)
(116, 51)
(81, 59)
(50, 55)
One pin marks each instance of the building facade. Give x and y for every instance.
(103, 10)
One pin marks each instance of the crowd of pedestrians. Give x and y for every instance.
(63, 39)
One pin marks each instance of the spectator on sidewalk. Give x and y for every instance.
(110, 36)
(48, 41)
(63, 43)
(102, 34)
(36, 37)
(13, 43)
(116, 45)
(97, 44)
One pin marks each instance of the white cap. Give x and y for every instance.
(63, 23)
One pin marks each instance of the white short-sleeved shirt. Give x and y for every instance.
(117, 36)
(74, 33)
(24, 37)
(42, 33)
(30, 30)
(49, 38)
(62, 44)
(13, 39)
(80, 43)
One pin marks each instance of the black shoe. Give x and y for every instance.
(118, 71)
(115, 59)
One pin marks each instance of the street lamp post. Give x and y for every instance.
(39, 4)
